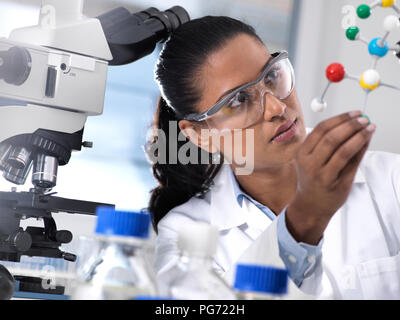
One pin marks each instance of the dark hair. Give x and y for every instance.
(176, 73)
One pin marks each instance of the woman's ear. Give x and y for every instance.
(198, 134)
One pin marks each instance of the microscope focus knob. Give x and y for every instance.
(22, 241)
(69, 256)
(63, 236)
(87, 144)
(15, 65)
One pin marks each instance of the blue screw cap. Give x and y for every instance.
(263, 279)
(122, 223)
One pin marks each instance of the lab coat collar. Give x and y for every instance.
(226, 212)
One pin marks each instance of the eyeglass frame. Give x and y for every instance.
(275, 57)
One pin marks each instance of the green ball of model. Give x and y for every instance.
(352, 32)
(364, 11)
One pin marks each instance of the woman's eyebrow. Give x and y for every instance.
(231, 90)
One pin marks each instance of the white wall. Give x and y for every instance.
(321, 41)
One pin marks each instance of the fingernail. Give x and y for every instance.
(365, 116)
(371, 128)
(354, 114)
(363, 120)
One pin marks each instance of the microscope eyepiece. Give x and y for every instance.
(134, 36)
(15, 65)
(181, 14)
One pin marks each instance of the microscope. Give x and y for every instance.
(52, 77)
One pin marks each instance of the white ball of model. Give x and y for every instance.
(391, 23)
(317, 105)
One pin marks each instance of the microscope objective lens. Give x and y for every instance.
(17, 176)
(44, 173)
(19, 158)
(4, 152)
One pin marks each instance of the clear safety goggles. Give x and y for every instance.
(244, 106)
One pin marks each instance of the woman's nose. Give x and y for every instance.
(273, 107)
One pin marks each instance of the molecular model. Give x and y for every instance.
(377, 47)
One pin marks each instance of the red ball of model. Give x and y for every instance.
(335, 72)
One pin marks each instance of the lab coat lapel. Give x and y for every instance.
(225, 210)
(235, 223)
(257, 221)
(226, 213)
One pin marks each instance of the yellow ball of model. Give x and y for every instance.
(387, 3)
(370, 79)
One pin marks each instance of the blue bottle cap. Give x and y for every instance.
(122, 223)
(263, 279)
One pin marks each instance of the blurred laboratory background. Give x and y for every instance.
(116, 170)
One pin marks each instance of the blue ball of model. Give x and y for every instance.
(378, 47)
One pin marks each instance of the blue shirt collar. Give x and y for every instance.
(240, 194)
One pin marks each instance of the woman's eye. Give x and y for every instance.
(233, 106)
(272, 76)
(240, 98)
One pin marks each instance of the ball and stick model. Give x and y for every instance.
(378, 48)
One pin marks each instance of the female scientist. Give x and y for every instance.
(318, 204)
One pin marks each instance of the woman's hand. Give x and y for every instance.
(327, 163)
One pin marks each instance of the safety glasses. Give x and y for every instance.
(244, 106)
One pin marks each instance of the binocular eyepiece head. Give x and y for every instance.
(133, 36)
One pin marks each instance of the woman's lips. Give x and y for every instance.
(287, 134)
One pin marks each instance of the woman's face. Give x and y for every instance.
(239, 62)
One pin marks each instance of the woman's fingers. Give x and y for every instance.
(324, 127)
(348, 173)
(326, 173)
(331, 142)
(348, 155)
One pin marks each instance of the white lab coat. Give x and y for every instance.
(361, 248)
